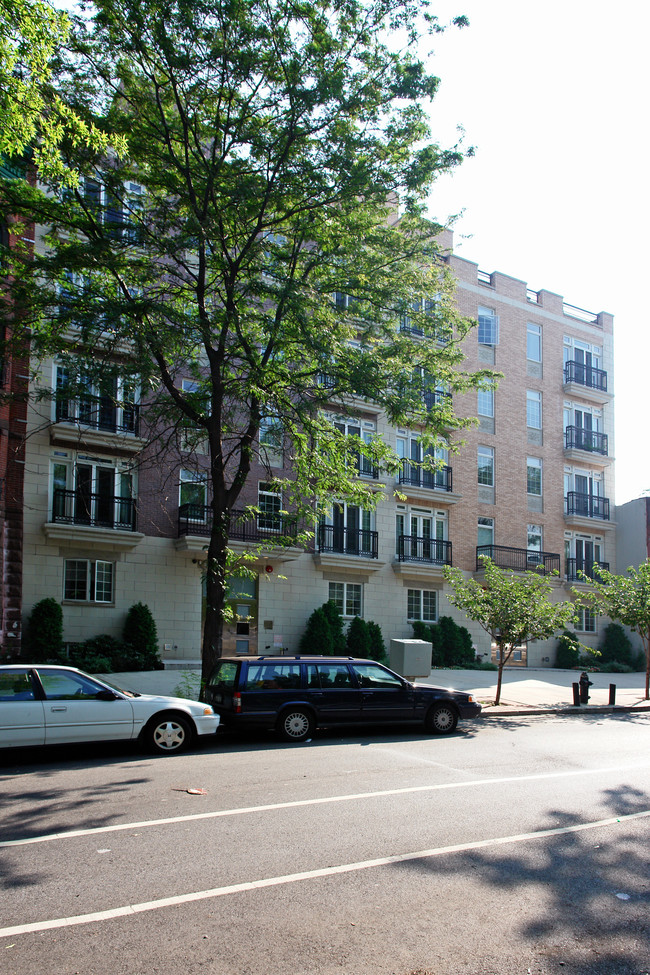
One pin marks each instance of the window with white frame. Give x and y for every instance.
(269, 501)
(422, 604)
(585, 620)
(365, 430)
(348, 597)
(486, 466)
(488, 326)
(534, 342)
(534, 476)
(485, 533)
(270, 437)
(534, 409)
(88, 580)
(92, 491)
(193, 492)
(534, 543)
(485, 402)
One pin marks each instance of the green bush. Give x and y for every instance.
(614, 667)
(487, 665)
(317, 637)
(44, 637)
(377, 646)
(616, 646)
(104, 654)
(451, 644)
(568, 651)
(335, 621)
(140, 630)
(358, 638)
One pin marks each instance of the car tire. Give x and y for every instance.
(296, 724)
(168, 734)
(442, 719)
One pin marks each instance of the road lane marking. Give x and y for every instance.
(292, 878)
(320, 801)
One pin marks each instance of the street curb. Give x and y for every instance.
(497, 712)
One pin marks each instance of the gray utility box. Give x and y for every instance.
(410, 658)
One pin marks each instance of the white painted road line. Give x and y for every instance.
(130, 909)
(323, 800)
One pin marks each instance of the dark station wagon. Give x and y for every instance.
(294, 695)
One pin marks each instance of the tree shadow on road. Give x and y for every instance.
(579, 897)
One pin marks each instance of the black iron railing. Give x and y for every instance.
(415, 476)
(580, 439)
(196, 519)
(97, 414)
(93, 510)
(582, 375)
(434, 397)
(416, 548)
(518, 559)
(588, 505)
(575, 566)
(348, 541)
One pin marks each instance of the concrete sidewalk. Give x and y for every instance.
(544, 691)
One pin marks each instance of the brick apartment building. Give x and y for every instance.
(14, 369)
(531, 483)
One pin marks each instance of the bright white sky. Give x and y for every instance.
(554, 96)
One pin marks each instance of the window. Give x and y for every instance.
(271, 441)
(269, 501)
(585, 620)
(86, 580)
(485, 534)
(193, 489)
(488, 326)
(486, 466)
(534, 343)
(485, 402)
(89, 491)
(422, 604)
(534, 476)
(534, 409)
(352, 428)
(534, 543)
(347, 596)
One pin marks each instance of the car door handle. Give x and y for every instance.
(58, 709)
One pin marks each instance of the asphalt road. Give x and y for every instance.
(513, 846)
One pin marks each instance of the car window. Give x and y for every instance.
(224, 674)
(62, 686)
(15, 685)
(334, 675)
(270, 677)
(370, 675)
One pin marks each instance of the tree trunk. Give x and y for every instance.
(497, 697)
(646, 641)
(215, 592)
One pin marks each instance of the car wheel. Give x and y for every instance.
(296, 724)
(442, 719)
(168, 733)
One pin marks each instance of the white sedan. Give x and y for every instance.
(42, 704)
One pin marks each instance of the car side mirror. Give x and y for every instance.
(106, 695)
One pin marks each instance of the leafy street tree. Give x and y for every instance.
(32, 117)
(625, 599)
(511, 607)
(251, 239)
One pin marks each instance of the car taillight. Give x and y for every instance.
(236, 702)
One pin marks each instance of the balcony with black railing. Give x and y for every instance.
(587, 505)
(100, 414)
(518, 559)
(360, 542)
(416, 548)
(583, 375)
(93, 510)
(577, 438)
(413, 475)
(574, 568)
(196, 519)
(435, 397)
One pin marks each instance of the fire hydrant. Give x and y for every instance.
(585, 684)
